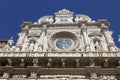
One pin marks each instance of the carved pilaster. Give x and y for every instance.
(85, 36)
(108, 37)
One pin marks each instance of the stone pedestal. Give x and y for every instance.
(94, 78)
(93, 70)
(33, 72)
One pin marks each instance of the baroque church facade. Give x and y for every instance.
(64, 46)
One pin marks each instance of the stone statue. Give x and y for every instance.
(25, 46)
(46, 19)
(36, 47)
(40, 47)
(22, 64)
(9, 62)
(35, 62)
(77, 63)
(94, 75)
(49, 64)
(33, 75)
(5, 75)
(6, 47)
(10, 41)
(31, 46)
(97, 46)
(63, 63)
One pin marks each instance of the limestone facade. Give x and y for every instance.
(63, 46)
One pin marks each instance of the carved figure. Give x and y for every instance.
(33, 75)
(6, 47)
(39, 47)
(31, 46)
(10, 41)
(49, 64)
(5, 75)
(46, 19)
(77, 63)
(97, 46)
(35, 62)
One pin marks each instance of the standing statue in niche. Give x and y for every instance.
(31, 46)
(97, 46)
(25, 46)
(40, 47)
(35, 46)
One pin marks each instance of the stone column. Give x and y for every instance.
(85, 36)
(108, 37)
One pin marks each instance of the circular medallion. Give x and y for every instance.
(64, 43)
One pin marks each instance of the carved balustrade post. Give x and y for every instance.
(9, 62)
(63, 63)
(35, 61)
(77, 63)
(49, 63)
(105, 63)
(91, 62)
(22, 64)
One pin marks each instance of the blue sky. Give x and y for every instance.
(14, 12)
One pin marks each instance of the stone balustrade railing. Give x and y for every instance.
(59, 54)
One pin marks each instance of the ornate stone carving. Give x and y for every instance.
(5, 75)
(35, 62)
(49, 63)
(33, 75)
(81, 17)
(46, 19)
(64, 16)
